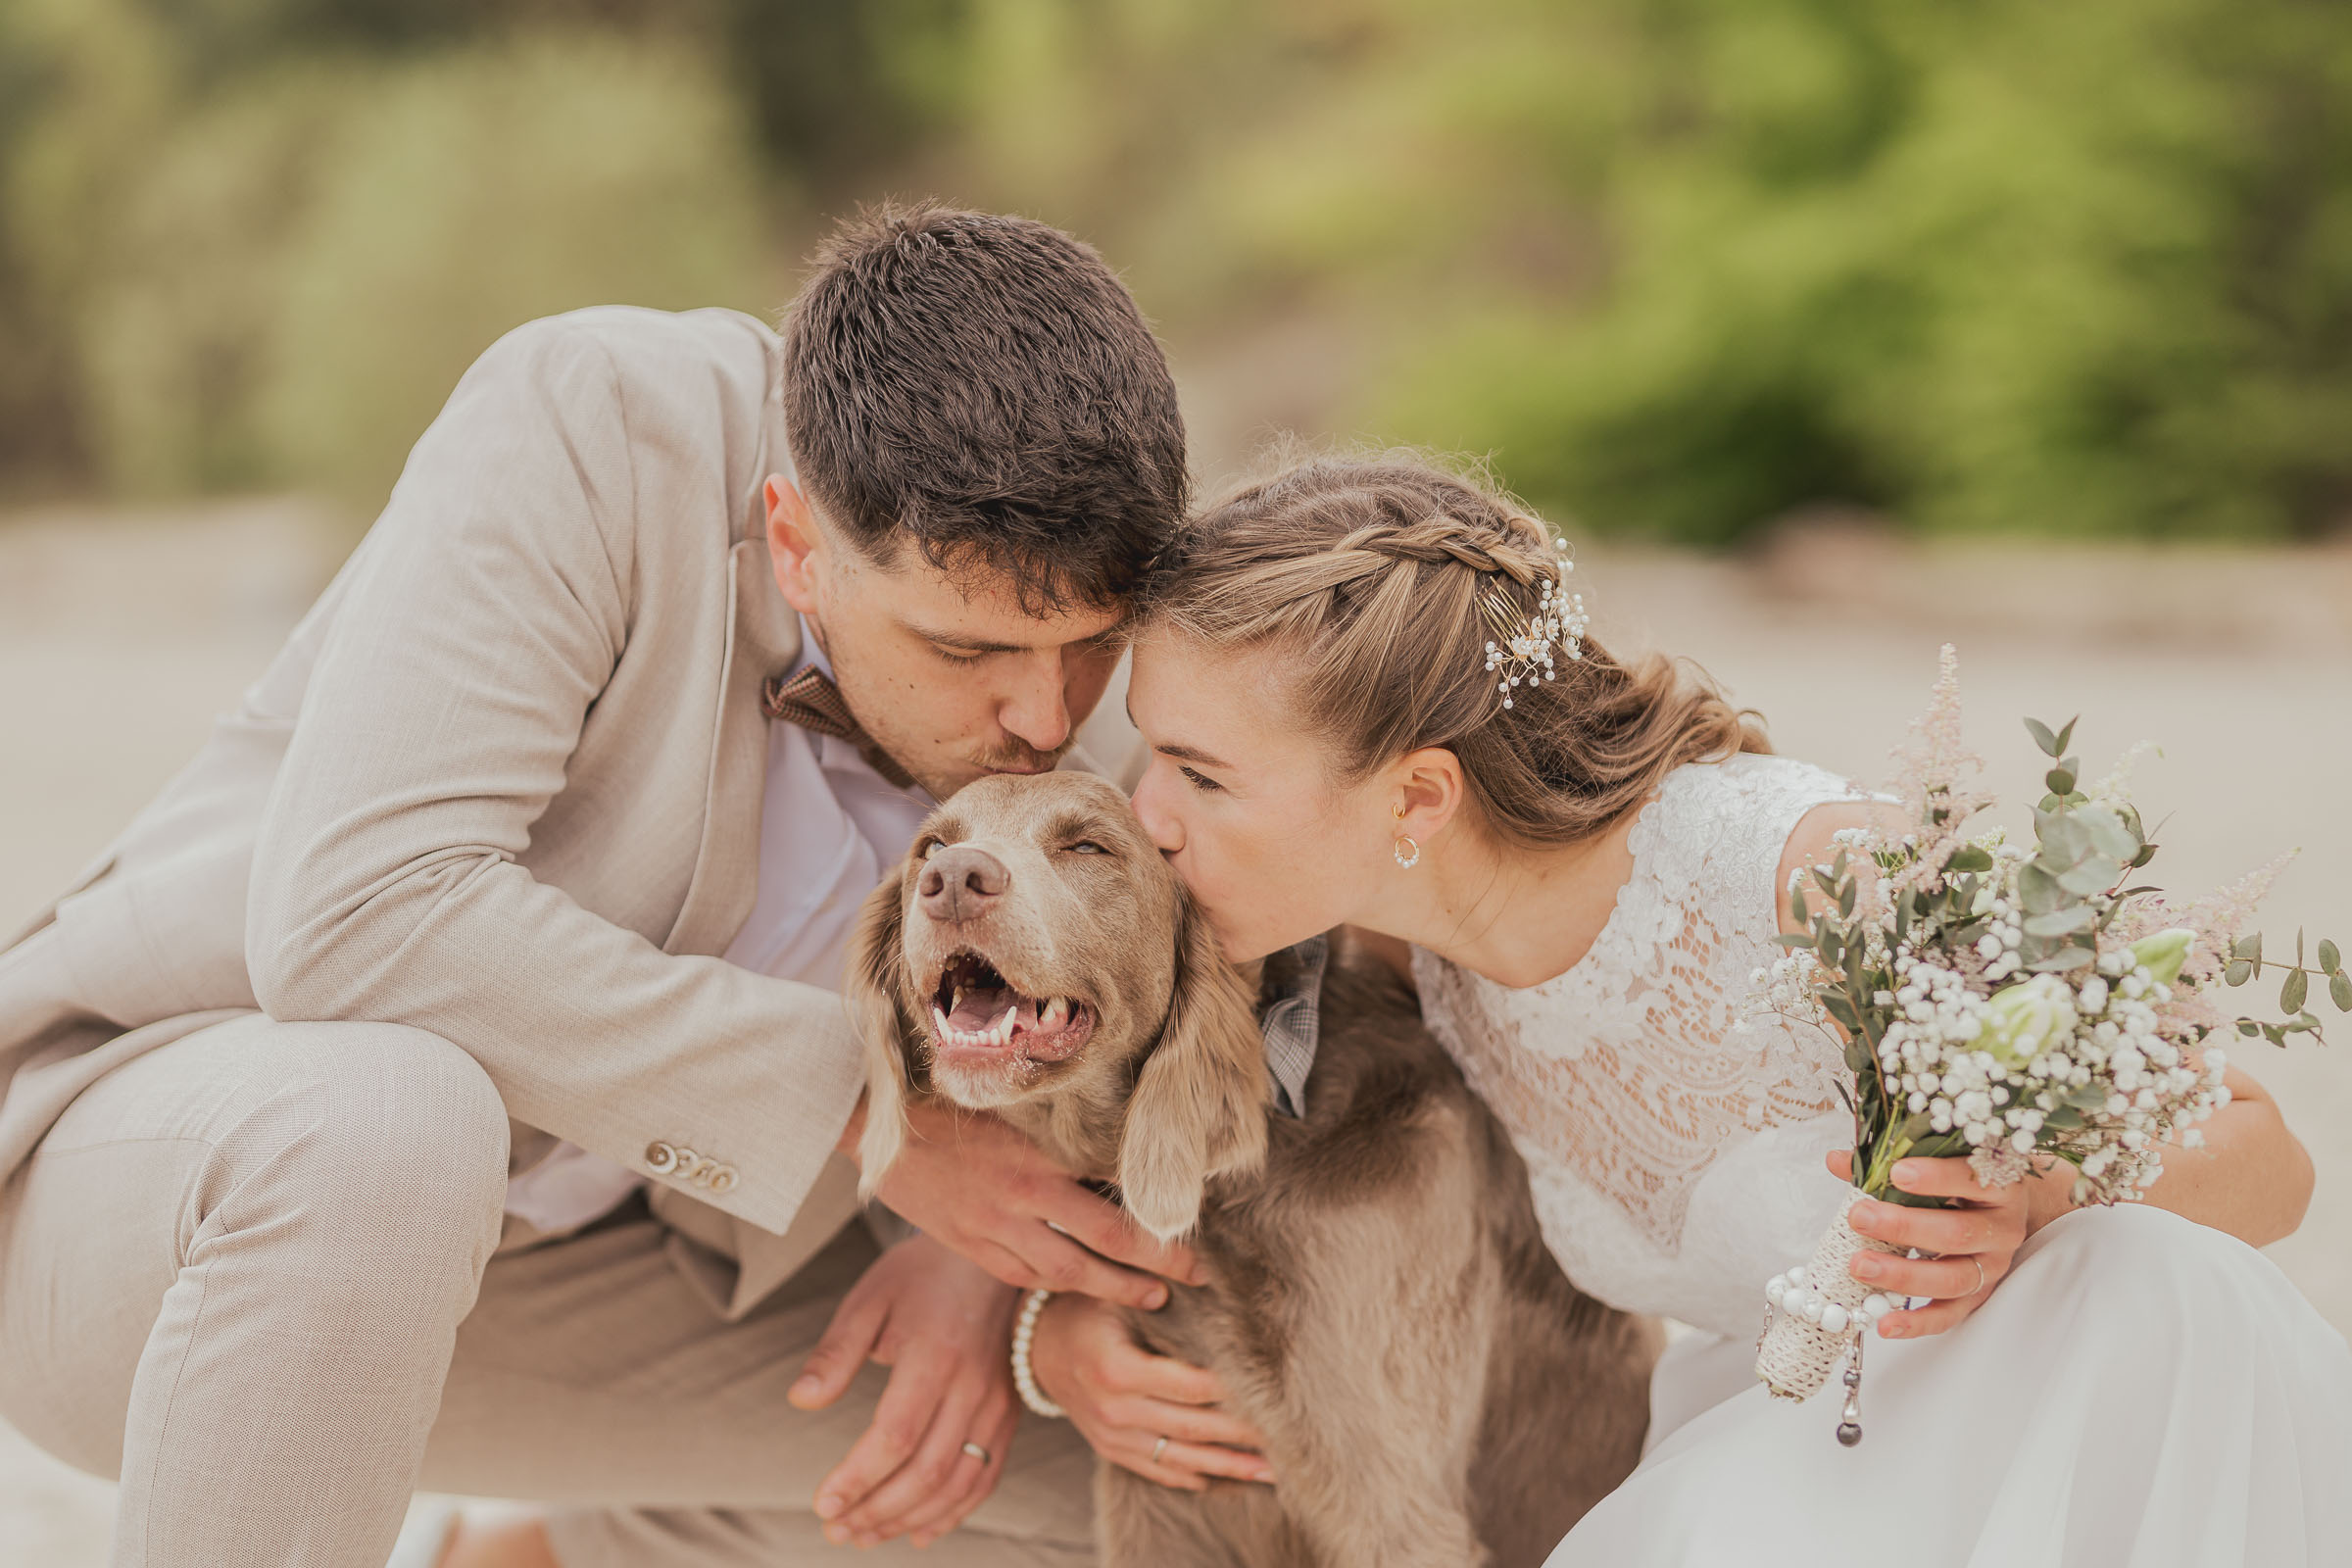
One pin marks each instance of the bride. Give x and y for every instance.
(1582, 886)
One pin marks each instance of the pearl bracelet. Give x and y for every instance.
(1024, 1331)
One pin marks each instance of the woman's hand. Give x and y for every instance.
(1124, 1401)
(1973, 1244)
(945, 1330)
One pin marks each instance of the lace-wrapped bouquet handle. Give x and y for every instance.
(2013, 1003)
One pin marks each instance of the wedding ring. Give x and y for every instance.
(1158, 1449)
(1979, 1262)
(976, 1451)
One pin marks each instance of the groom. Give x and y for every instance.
(440, 1084)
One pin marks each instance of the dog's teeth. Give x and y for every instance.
(955, 999)
(939, 1021)
(1053, 1015)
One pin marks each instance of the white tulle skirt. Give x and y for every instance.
(2140, 1392)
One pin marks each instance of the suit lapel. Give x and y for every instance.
(763, 639)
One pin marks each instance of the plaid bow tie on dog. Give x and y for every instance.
(813, 702)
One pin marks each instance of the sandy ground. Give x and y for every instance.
(123, 633)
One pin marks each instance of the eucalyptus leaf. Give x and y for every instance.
(2248, 947)
(2332, 961)
(2148, 853)
(2248, 1026)
(2066, 736)
(2037, 889)
(2239, 972)
(2094, 875)
(2063, 960)
(2044, 738)
(2108, 834)
(2060, 781)
(2063, 839)
(1797, 939)
(2339, 991)
(1845, 900)
(2291, 993)
(2058, 922)
(1969, 858)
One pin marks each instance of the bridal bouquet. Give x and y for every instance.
(2015, 1003)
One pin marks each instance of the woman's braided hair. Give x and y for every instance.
(1377, 580)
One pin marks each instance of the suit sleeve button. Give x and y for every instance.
(722, 1179)
(661, 1158)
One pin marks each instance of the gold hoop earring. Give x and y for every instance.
(1408, 857)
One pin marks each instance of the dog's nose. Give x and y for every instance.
(958, 882)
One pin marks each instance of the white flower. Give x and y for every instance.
(2019, 1021)
(2163, 954)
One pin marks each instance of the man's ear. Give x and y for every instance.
(1198, 1110)
(875, 980)
(796, 543)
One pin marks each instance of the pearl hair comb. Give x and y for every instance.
(1524, 655)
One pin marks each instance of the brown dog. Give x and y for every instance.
(1381, 1305)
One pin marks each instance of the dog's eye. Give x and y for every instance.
(932, 848)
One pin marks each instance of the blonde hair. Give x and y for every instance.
(1374, 578)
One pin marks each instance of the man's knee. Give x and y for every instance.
(333, 1166)
(390, 1121)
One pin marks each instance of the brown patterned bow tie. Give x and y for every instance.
(814, 703)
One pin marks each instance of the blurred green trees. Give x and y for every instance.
(1679, 265)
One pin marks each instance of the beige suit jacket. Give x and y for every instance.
(503, 783)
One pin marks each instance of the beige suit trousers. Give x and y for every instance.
(253, 1274)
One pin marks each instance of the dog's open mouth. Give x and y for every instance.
(976, 1009)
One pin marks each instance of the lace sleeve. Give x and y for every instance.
(1624, 1080)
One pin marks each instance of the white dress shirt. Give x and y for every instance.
(829, 826)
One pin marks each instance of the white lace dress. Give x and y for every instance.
(2139, 1390)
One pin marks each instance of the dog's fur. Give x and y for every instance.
(1432, 1389)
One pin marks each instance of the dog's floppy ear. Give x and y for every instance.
(875, 980)
(1198, 1110)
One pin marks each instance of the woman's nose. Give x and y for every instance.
(1160, 826)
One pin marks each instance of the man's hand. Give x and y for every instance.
(1970, 1246)
(945, 1329)
(972, 1182)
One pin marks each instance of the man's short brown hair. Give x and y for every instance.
(985, 388)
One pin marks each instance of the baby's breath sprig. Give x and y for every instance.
(1524, 655)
